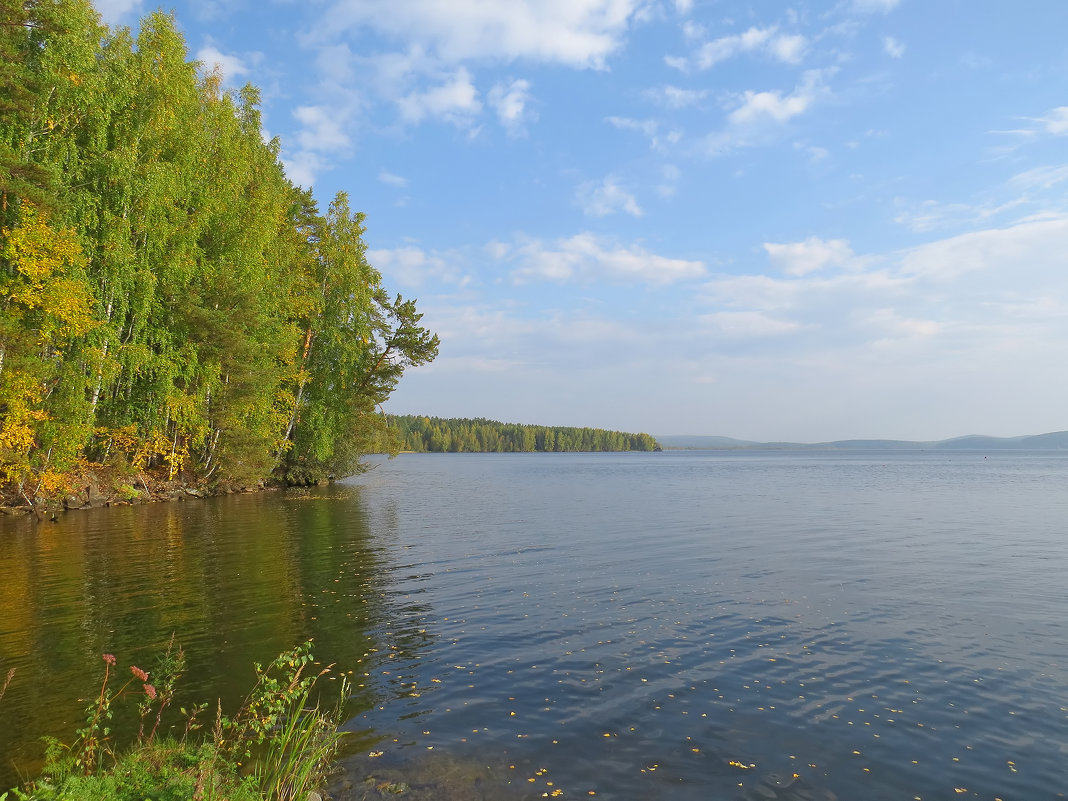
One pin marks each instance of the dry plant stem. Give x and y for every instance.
(90, 746)
(7, 681)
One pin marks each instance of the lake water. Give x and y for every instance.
(679, 625)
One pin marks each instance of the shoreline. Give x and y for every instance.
(95, 492)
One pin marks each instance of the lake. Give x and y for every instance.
(677, 625)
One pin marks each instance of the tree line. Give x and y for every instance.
(455, 435)
(171, 304)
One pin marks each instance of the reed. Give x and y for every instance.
(297, 758)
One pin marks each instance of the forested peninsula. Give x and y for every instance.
(453, 435)
(174, 312)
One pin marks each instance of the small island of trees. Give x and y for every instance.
(455, 435)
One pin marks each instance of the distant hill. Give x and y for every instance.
(1054, 441)
(685, 442)
(1057, 440)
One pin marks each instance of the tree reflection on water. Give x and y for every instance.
(235, 579)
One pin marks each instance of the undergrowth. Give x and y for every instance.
(276, 747)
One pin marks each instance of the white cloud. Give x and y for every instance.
(600, 199)
(932, 215)
(584, 257)
(773, 105)
(758, 117)
(711, 53)
(769, 104)
(1040, 178)
(390, 179)
(787, 48)
(968, 299)
(675, 97)
(802, 258)
(394, 72)
(748, 324)
(413, 267)
(815, 153)
(874, 6)
(302, 167)
(512, 104)
(115, 12)
(475, 331)
(232, 67)
(892, 47)
(888, 323)
(323, 130)
(684, 6)
(577, 33)
(817, 299)
(985, 281)
(1056, 122)
(456, 101)
(1004, 255)
(323, 134)
(692, 30)
(1035, 193)
(651, 129)
(930, 341)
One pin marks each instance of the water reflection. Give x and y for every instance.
(236, 580)
(643, 626)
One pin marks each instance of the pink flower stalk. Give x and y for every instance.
(138, 673)
(110, 659)
(150, 691)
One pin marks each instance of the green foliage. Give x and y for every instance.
(298, 755)
(162, 282)
(288, 744)
(165, 771)
(453, 435)
(357, 344)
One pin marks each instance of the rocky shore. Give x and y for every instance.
(102, 490)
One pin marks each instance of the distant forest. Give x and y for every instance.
(455, 435)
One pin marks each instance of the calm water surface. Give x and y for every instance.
(635, 626)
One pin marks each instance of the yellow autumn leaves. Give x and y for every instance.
(44, 303)
(43, 279)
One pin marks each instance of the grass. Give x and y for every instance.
(275, 747)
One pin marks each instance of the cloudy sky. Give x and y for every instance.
(807, 221)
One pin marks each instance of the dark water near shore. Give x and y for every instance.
(635, 626)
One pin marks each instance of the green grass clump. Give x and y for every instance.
(167, 770)
(276, 747)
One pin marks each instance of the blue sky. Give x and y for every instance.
(807, 221)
